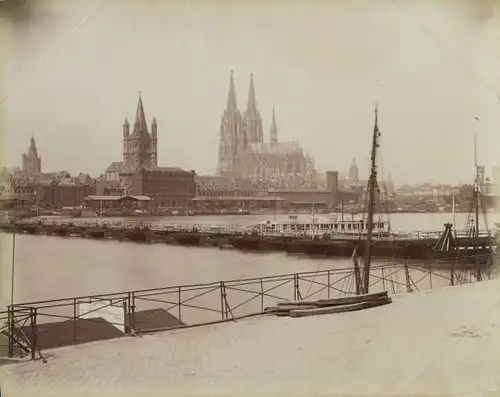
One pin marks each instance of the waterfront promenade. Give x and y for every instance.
(441, 342)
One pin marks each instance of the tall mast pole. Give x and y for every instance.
(313, 225)
(476, 203)
(372, 185)
(476, 188)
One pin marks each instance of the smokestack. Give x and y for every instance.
(332, 185)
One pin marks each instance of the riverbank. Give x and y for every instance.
(436, 343)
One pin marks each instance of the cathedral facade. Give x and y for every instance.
(32, 161)
(244, 154)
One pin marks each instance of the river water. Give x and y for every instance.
(56, 267)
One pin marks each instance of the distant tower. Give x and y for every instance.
(154, 142)
(353, 171)
(32, 161)
(140, 147)
(389, 184)
(274, 130)
(232, 138)
(252, 119)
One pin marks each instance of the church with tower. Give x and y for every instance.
(244, 154)
(138, 174)
(140, 147)
(32, 161)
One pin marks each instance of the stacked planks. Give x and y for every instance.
(330, 306)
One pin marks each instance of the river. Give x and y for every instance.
(55, 267)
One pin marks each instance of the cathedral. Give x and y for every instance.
(244, 154)
(32, 161)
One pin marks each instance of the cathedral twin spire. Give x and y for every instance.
(274, 130)
(252, 116)
(232, 106)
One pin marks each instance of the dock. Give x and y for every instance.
(407, 245)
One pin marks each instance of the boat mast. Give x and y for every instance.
(372, 186)
(476, 204)
(476, 190)
(313, 225)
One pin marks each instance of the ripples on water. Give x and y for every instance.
(54, 267)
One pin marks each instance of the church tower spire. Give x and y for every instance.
(253, 121)
(232, 105)
(353, 171)
(274, 130)
(32, 161)
(140, 147)
(252, 102)
(140, 124)
(232, 137)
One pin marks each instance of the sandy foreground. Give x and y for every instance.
(443, 342)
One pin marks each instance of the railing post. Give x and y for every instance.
(383, 279)
(12, 327)
(75, 315)
(261, 296)
(179, 302)
(430, 275)
(33, 333)
(328, 282)
(126, 319)
(408, 282)
(295, 287)
(132, 312)
(222, 302)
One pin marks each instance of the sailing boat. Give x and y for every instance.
(472, 247)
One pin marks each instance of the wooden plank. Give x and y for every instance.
(349, 300)
(341, 309)
(293, 307)
(298, 303)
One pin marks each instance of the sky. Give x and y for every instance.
(72, 71)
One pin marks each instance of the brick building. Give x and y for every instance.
(62, 194)
(167, 186)
(220, 186)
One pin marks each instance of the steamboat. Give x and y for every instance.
(326, 227)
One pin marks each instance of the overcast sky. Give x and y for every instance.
(74, 70)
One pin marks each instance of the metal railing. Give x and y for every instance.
(29, 329)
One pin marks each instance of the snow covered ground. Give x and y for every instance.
(443, 342)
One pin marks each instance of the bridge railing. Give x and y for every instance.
(35, 326)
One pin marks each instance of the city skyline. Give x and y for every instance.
(324, 94)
